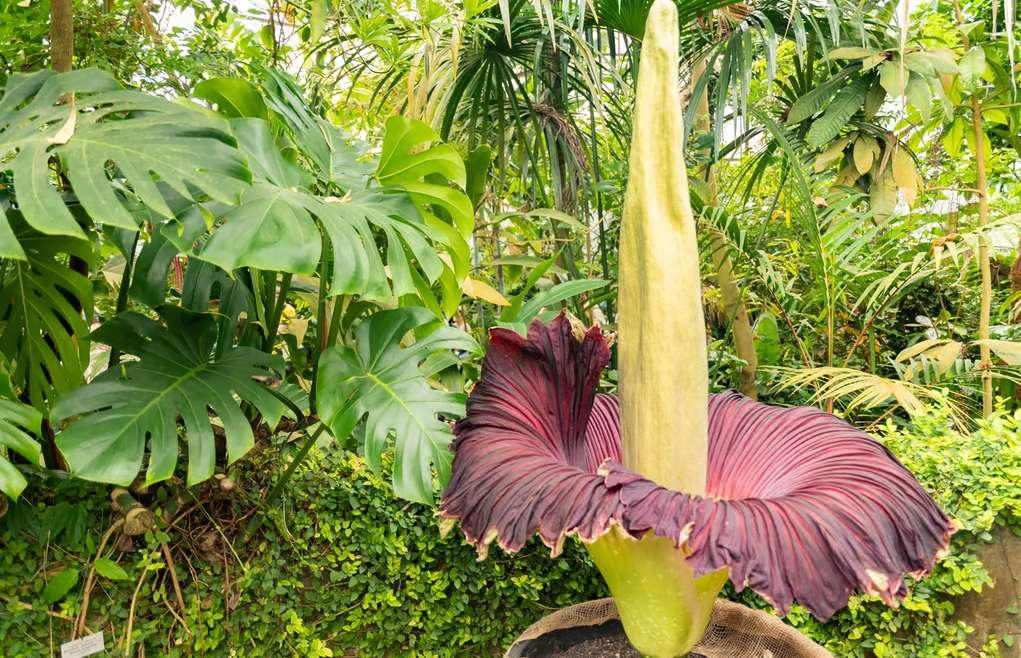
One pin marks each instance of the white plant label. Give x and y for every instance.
(82, 647)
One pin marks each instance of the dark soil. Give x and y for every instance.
(603, 641)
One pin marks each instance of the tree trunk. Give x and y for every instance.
(61, 35)
(733, 303)
(737, 314)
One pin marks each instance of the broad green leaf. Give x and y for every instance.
(43, 309)
(767, 339)
(891, 77)
(953, 138)
(59, 585)
(847, 101)
(815, 99)
(972, 66)
(278, 224)
(919, 95)
(874, 100)
(16, 420)
(403, 157)
(181, 372)
(104, 129)
(476, 172)
(379, 380)
(270, 230)
(412, 160)
(110, 569)
(233, 97)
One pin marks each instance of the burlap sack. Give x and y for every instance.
(734, 631)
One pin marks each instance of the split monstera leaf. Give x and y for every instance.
(674, 490)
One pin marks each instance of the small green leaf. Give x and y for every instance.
(59, 585)
(814, 99)
(972, 66)
(850, 53)
(767, 339)
(891, 76)
(919, 95)
(110, 569)
(1012, 609)
(954, 138)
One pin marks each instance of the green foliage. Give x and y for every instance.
(15, 418)
(181, 371)
(139, 134)
(386, 384)
(44, 311)
(343, 566)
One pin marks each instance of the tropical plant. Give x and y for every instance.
(281, 210)
(667, 520)
(17, 421)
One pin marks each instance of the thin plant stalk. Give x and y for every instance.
(122, 294)
(981, 185)
(277, 312)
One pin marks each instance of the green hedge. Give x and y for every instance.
(343, 567)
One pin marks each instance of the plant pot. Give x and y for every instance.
(593, 630)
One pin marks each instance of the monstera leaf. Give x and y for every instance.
(15, 418)
(388, 385)
(89, 122)
(43, 309)
(181, 373)
(411, 159)
(277, 226)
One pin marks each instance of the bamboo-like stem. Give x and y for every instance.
(733, 303)
(985, 309)
(662, 343)
(982, 191)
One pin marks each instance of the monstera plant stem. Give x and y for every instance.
(282, 481)
(277, 312)
(122, 293)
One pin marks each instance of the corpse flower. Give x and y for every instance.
(674, 491)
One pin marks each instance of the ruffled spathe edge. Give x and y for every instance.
(800, 505)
